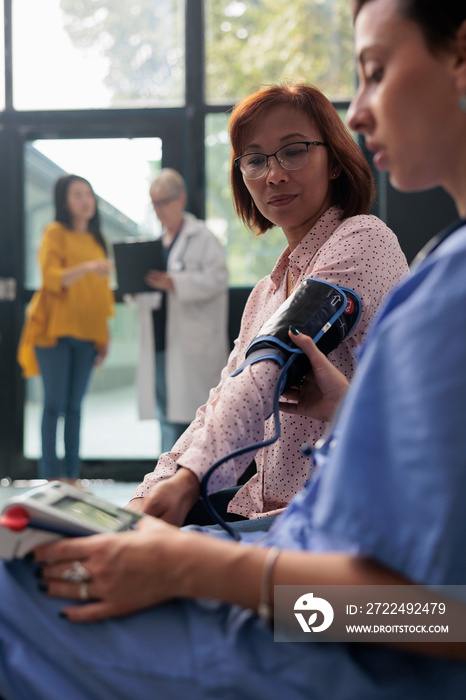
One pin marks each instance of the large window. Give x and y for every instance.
(82, 55)
(252, 42)
(120, 171)
(114, 90)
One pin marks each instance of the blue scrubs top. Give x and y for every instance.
(391, 483)
(392, 475)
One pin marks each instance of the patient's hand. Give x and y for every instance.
(323, 388)
(171, 499)
(136, 504)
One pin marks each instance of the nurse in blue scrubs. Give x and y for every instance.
(169, 613)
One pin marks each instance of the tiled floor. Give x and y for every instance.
(110, 428)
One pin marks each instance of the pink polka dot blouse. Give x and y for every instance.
(361, 253)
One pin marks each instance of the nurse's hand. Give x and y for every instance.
(171, 499)
(126, 571)
(322, 390)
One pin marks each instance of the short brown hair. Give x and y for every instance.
(353, 190)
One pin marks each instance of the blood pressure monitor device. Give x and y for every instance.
(326, 312)
(54, 510)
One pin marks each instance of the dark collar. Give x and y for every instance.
(434, 242)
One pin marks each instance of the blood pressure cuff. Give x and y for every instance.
(325, 312)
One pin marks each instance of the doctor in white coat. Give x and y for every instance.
(183, 325)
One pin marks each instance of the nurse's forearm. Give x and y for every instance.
(234, 573)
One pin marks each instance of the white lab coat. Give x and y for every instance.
(197, 323)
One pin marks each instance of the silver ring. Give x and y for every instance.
(76, 573)
(83, 591)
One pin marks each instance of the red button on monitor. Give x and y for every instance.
(15, 518)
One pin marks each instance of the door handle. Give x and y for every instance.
(7, 289)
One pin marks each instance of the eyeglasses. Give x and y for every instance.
(158, 203)
(291, 157)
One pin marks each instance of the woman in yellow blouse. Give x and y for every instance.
(66, 330)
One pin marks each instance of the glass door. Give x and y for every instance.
(120, 171)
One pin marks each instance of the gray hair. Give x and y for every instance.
(171, 182)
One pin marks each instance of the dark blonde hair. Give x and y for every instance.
(353, 190)
(438, 24)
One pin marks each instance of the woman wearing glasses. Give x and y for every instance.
(183, 322)
(294, 165)
(387, 507)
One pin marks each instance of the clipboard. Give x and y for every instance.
(133, 260)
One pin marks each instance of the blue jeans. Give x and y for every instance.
(65, 370)
(170, 432)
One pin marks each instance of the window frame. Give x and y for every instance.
(182, 130)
